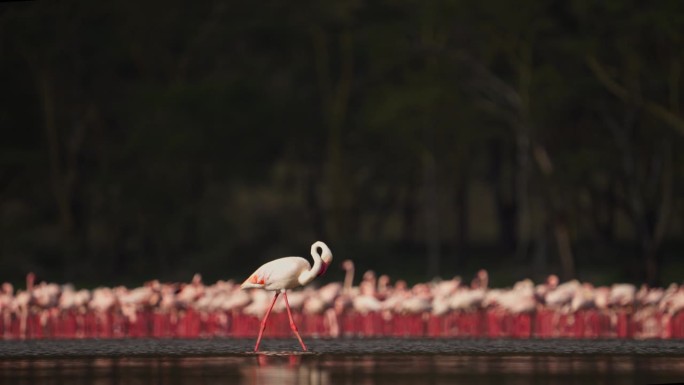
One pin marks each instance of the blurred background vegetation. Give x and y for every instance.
(419, 138)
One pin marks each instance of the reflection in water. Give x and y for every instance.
(286, 369)
(325, 369)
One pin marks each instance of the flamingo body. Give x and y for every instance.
(280, 274)
(288, 273)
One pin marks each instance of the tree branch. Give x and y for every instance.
(655, 109)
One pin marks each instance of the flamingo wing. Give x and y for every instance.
(279, 274)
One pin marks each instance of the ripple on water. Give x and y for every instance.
(213, 347)
(345, 361)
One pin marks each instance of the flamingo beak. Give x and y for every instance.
(324, 268)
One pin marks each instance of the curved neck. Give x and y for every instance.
(309, 275)
(349, 279)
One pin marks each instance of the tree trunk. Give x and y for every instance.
(523, 146)
(335, 102)
(313, 205)
(564, 249)
(60, 188)
(431, 211)
(461, 203)
(408, 213)
(504, 194)
(651, 262)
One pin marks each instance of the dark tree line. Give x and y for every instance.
(157, 139)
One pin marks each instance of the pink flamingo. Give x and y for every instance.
(288, 273)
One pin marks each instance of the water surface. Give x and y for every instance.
(345, 361)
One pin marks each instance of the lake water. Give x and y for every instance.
(343, 361)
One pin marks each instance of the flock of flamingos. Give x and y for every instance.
(376, 307)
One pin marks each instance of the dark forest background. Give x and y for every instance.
(419, 138)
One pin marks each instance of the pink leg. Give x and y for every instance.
(292, 324)
(263, 322)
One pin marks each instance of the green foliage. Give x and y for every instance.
(158, 139)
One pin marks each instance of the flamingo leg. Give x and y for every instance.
(292, 324)
(263, 321)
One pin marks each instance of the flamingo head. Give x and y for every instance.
(325, 256)
(326, 259)
(324, 268)
(348, 264)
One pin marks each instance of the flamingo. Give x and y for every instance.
(288, 273)
(348, 266)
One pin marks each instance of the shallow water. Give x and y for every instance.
(345, 361)
(343, 346)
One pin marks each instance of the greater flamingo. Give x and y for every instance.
(288, 273)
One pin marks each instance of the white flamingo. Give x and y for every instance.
(288, 273)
